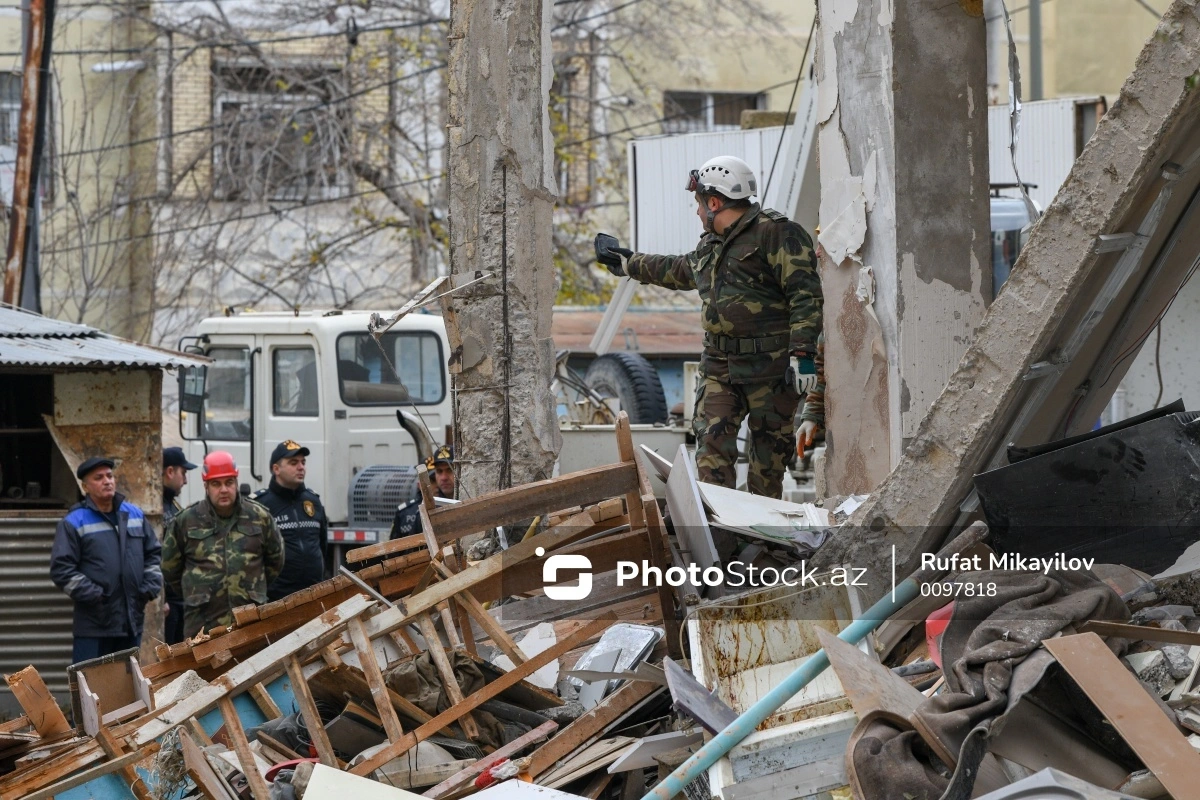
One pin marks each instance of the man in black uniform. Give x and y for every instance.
(174, 478)
(300, 518)
(408, 518)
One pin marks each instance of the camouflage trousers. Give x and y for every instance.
(770, 409)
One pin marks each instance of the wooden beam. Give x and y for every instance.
(487, 622)
(473, 701)
(423, 601)
(628, 455)
(433, 646)
(37, 702)
(384, 548)
(262, 664)
(513, 505)
(211, 783)
(312, 717)
(241, 747)
(114, 748)
(591, 724)
(507, 751)
(98, 771)
(266, 704)
(379, 690)
(277, 625)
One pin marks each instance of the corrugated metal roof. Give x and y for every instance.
(30, 340)
(656, 332)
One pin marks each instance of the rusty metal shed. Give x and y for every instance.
(67, 392)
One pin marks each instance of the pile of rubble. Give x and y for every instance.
(425, 673)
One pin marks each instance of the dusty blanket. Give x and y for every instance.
(416, 678)
(987, 639)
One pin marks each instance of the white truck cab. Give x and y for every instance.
(320, 379)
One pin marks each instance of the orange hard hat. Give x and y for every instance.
(219, 464)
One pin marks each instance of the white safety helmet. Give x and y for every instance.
(726, 175)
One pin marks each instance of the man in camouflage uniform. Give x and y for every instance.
(222, 552)
(757, 278)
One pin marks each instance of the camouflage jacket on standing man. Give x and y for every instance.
(760, 290)
(217, 564)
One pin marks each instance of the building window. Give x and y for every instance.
(698, 112)
(10, 125)
(408, 369)
(294, 375)
(280, 133)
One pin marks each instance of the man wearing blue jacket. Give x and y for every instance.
(106, 558)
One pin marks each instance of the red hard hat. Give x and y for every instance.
(219, 464)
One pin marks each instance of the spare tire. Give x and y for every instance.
(631, 379)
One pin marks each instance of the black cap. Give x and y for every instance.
(443, 455)
(287, 449)
(174, 457)
(93, 463)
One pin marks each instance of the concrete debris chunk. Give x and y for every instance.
(1151, 669)
(1179, 663)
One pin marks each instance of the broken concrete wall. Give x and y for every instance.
(500, 157)
(904, 217)
(1139, 175)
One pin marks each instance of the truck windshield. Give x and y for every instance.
(226, 414)
(408, 369)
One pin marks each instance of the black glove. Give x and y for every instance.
(609, 252)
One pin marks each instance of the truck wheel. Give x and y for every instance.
(631, 379)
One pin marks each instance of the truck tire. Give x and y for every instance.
(631, 379)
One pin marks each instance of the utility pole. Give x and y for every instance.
(22, 231)
(1035, 50)
(501, 199)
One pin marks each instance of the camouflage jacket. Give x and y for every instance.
(760, 289)
(217, 564)
(814, 401)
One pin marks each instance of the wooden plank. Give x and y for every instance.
(1133, 712)
(433, 645)
(488, 692)
(604, 553)
(523, 502)
(590, 725)
(384, 548)
(627, 454)
(423, 601)
(207, 779)
(379, 690)
(487, 622)
(266, 704)
(277, 625)
(245, 615)
(38, 704)
(507, 751)
(1142, 633)
(695, 701)
(15, 724)
(258, 666)
(464, 624)
(312, 717)
(278, 746)
(98, 771)
(241, 747)
(660, 556)
(113, 748)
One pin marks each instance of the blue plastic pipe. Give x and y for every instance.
(758, 713)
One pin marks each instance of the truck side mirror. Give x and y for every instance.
(191, 389)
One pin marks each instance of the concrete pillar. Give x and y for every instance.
(500, 160)
(902, 136)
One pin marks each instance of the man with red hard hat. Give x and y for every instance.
(222, 552)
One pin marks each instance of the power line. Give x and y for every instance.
(581, 20)
(242, 42)
(272, 212)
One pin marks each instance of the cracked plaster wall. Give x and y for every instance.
(904, 217)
